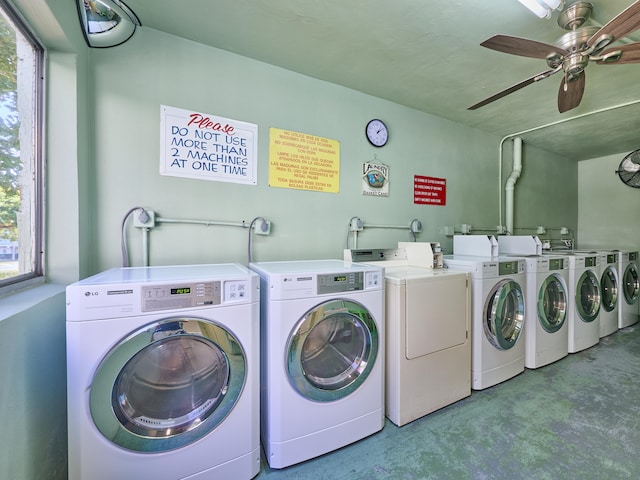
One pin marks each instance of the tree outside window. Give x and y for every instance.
(21, 61)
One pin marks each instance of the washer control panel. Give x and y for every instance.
(185, 295)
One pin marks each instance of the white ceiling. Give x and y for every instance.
(424, 54)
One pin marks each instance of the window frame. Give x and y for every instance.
(37, 217)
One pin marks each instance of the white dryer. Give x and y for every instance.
(322, 366)
(609, 293)
(546, 326)
(163, 373)
(497, 316)
(428, 326)
(629, 275)
(584, 286)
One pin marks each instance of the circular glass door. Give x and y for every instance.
(609, 285)
(631, 284)
(504, 314)
(167, 384)
(588, 296)
(552, 304)
(332, 350)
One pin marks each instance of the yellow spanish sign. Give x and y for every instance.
(303, 162)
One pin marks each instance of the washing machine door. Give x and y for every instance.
(552, 304)
(631, 284)
(588, 296)
(609, 287)
(332, 350)
(167, 384)
(504, 314)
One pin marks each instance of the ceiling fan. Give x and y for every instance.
(573, 51)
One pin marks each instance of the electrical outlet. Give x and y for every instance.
(501, 230)
(140, 221)
(541, 230)
(448, 231)
(262, 227)
(465, 229)
(356, 225)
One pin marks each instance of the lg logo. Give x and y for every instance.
(90, 294)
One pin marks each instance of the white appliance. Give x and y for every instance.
(322, 324)
(547, 299)
(163, 373)
(609, 293)
(475, 245)
(497, 316)
(629, 275)
(427, 326)
(584, 286)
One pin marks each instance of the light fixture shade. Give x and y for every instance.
(106, 23)
(541, 11)
(552, 4)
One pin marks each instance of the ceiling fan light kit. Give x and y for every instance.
(573, 51)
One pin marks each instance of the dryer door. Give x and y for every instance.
(167, 384)
(504, 314)
(631, 284)
(331, 350)
(609, 286)
(552, 304)
(588, 296)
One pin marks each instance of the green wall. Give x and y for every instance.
(132, 81)
(103, 158)
(608, 215)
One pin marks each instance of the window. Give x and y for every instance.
(21, 152)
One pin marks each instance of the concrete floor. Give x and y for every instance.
(578, 418)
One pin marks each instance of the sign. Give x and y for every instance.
(375, 180)
(429, 190)
(303, 162)
(206, 147)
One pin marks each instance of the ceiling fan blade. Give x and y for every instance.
(629, 53)
(570, 93)
(619, 26)
(514, 88)
(521, 46)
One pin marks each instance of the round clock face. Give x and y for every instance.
(377, 133)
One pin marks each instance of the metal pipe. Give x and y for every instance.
(510, 185)
(202, 222)
(540, 127)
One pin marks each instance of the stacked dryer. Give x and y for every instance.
(428, 321)
(498, 309)
(628, 312)
(547, 300)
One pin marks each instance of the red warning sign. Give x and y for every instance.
(429, 190)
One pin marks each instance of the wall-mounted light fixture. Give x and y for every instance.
(106, 23)
(542, 8)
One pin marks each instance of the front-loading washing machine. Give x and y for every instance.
(609, 293)
(163, 373)
(497, 316)
(546, 326)
(584, 310)
(629, 276)
(322, 325)
(428, 326)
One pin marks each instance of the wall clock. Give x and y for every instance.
(377, 133)
(629, 169)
